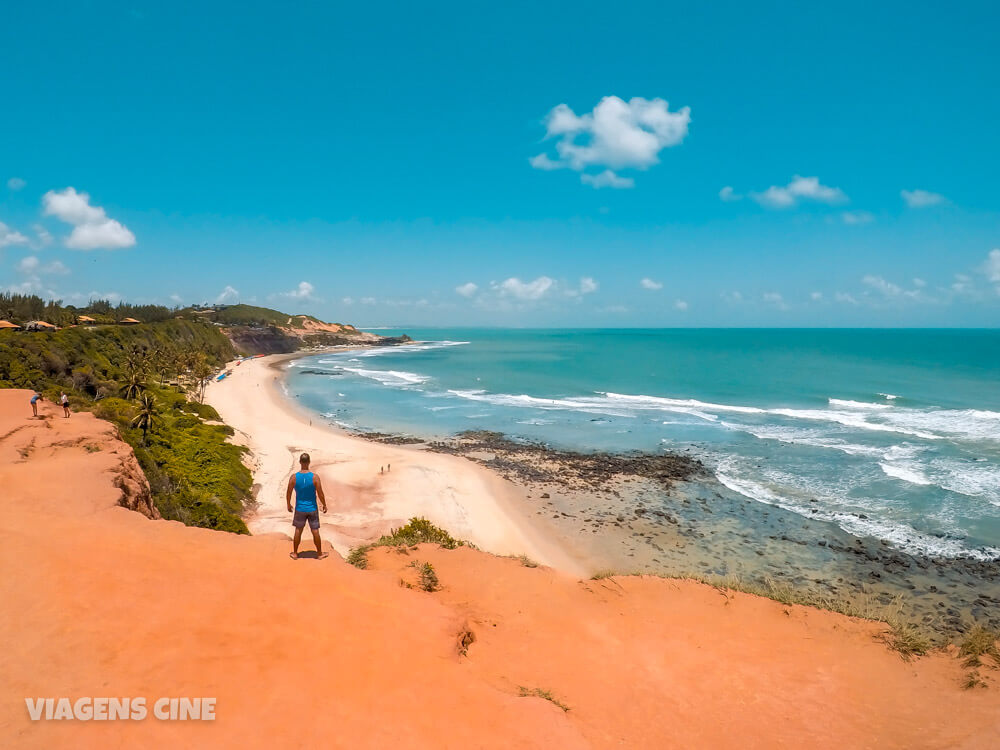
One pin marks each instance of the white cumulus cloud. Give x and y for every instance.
(728, 195)
(607, 178)
(653, 286)
(227, 296)
(775, 298)
(467, 289)
(681, 305)
(587, 285)
(304, 290)
(921, 198)
(992, 266)
(615, 135)
(9, 236)
(889, 290)
(526, 290)
(16, 183)
(30, 264)
(799, 189)
(855, 218)
(92, 228)
(44, 238)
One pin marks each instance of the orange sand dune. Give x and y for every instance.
(99, 600)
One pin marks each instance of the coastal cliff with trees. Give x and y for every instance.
(143, 367)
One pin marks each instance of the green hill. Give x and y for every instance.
(146, 376)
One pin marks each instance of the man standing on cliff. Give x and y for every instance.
(307, 487)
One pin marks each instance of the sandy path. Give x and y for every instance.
(365, 499)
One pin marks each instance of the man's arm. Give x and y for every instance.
(319, 491)
(288, 492)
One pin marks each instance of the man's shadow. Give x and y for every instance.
(309, 554)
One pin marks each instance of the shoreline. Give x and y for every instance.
(370, 487)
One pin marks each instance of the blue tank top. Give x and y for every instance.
(305, 492)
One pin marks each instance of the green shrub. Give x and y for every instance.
(358, 556)
(418, 531)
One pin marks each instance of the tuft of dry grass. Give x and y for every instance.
(907, 641)
(973, 680)
(978, 643)
(524, 560)
(602, 574)
(539, 693)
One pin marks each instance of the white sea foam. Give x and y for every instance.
(587, 405)
(389, 377)
(898, 534)
(966, 424)
(816, 437)
(972, 479)
(924, 424)
(676, 404)
(417, 346)
(904, 472)
(888, 396)
(846, 403)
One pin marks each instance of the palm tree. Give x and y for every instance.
(135, 383)
(160, 360)
(202, 371)
(137, 359)
(146, 418)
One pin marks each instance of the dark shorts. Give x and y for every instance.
(300, 518)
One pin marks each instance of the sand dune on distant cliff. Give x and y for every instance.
(99, 600)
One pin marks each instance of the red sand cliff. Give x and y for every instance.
(102, 601)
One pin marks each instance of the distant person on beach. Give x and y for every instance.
(307, 488)
(35, 398)
(64, 400)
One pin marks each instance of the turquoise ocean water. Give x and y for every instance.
(888, 433)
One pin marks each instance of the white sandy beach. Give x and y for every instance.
(370, 487)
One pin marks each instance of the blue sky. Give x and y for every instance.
(521, 164)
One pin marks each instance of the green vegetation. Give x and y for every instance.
(22, 308)
(428, 576)
(417, 531)
(138, 377)
(241, 315)
(539, 693)
(358, 556)
(252, 316)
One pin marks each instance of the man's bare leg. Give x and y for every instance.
(294, 554)
(319, 545)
